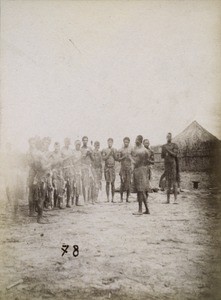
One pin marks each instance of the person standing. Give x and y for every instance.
(162, 182)
(77, 189)
(169, 154)
(66, 153)
(126, 168)
(45, 144)
(141, 180)
(86, 161)
(150, 162)
(58, 181)
(109, 155)
(42, 179)
(96, 170)
(31, 160)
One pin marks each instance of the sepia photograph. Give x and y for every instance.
(110, 150)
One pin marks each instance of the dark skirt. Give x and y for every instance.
(125, 177)
(141, 179)
(171, 173)
(109, 174)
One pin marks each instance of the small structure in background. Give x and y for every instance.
(199, 150)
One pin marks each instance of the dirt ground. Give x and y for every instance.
(173, 253)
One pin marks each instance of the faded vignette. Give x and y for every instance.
(81, 44)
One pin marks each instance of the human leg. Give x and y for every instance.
(31, 202)
(108, 191)
(121, 189)
(40, 202)
(128, 194)
(112, 190)
(168, 191)
(68, 193)
(145, 197)
(139, 199)
(175, 191)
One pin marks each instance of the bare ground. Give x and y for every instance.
(173, 253)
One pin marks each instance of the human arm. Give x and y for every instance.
(90, 154)
(133, 157)
(163, 153)
(105, 155)
(174, 151)
(151, 158)
(120, 156)
(116, 155)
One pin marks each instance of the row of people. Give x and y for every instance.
(64, 174)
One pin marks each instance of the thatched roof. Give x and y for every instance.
(196, 140)
(194, 133)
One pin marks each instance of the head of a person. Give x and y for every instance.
(32, 142)
(56, 147)
(139, 140)
(146, 143)
(110, 142)
(67, 142)
(84, 140)
(169, 137)
(77, 145)
(126, 141)
(46, 143)
(97, 145)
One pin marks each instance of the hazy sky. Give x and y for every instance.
(109, 69)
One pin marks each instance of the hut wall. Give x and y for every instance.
(196, 163)
(192, 161)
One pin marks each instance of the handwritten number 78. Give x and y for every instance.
(65, 250)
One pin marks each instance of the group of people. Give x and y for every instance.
(58, 178)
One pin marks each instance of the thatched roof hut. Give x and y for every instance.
(199, 150)
(196, 140)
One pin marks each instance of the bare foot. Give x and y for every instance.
(42, 221)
